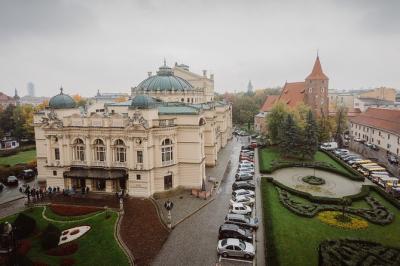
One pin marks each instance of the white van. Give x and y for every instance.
(329, 146)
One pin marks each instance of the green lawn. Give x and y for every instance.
(97, 247)
(268, 155)
(296, 238)
(21, 157)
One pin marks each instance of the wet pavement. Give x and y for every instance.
(194, 241)
(10, 193)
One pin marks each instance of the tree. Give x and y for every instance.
(290, 137)
(6, 119)
(310, 140)
(325, 126)
(341, 122)
(275, 121)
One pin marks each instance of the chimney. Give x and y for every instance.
(149, 73)
(212, 76)
(205, 73)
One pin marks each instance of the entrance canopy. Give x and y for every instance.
(95, 173)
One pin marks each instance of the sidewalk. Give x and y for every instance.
(186, 204)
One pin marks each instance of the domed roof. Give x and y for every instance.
(143, 102)
(165, 80)
(62, 101)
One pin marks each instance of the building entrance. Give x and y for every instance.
(167, 182)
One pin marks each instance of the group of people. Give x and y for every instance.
(37, 194)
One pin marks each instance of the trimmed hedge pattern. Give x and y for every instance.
(377, 214)
(356, 252)
(25, 225)
(50, 237)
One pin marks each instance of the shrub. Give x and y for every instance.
(25, 225)
(50, 237)
(63, 250)
(24, 247)
(69, 210)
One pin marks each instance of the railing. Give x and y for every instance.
(166, 163)
(78, 163)
(138, 166)
(119, 164)
(99, 163)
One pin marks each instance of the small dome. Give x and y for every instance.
(62, 101)
(165, 80)
(143, 102)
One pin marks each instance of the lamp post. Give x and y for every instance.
(168, 205)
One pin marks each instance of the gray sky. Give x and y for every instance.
(110, 45)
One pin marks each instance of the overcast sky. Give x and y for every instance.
(110, 45)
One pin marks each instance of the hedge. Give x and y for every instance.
(6, 153)
(386, 196)
(365, 189)
(25, 225)
(270, 249)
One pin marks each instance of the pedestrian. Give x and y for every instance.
(20, 189)
(41, 194)
(87, 190)
(83, 190)
(37, 194)
(58, 189)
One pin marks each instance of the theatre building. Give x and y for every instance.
(151, 143)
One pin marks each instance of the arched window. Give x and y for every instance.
(167, 152)
(99, 150)
(119, 151)
(182, 100)
(79, 150)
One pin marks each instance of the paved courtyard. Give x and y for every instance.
(335, 186)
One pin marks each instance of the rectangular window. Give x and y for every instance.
(57, 154)
(379, 142)
(138, 177)
(54, 173)
(139, 156)
(121, 155)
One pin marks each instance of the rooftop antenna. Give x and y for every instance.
(61, 90)
(317, 52)
(165, 62)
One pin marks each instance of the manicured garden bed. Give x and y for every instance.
(97, 247)
(68, 210)
(286, 231)
(270, 157)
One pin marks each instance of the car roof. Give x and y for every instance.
(229, 226)
(234, 215)
(240, 190)
(232, 241)
(238, 204)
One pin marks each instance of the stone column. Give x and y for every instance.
(88, 151)
(60, 147)
(68, 159)
(108, 152)
(48, 141)
(130, 154)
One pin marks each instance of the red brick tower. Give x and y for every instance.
(316, 90)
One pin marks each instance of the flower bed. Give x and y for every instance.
(63, 250)
(73, 233)
(24, 246)
(334, 218)
(67, 262)
(68, 210)
(356, 252)
(313, 180)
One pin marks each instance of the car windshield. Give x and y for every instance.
(241, 231)
(224, 242)
(242, 245)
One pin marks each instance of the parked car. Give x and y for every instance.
(353, 161)
(235, 248)
(246, 162)
(329, 146)
(392, 159)
(1, 187)
(240, 208)
(243, 176)
(246, 170)
(245, 165)
(12, 181)
(374, 147)
(241, 220)
(247, 158)
(235, 231)
(243, 185)
(340, 151)
(351, 157)
(247, 200)
(369, 145)
(27, 174)
(243, 192)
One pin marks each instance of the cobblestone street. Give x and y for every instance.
(194, 241)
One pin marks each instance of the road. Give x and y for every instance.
(194, 241)
(12, 193)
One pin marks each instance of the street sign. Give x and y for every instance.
(168, 205)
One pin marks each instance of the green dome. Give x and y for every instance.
(165, 80)
(61, 101)
(143, 102)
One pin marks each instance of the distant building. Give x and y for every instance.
(382, 93)
(378, 126)
(107, 97)
(249, 88)
(312, 92)
(6, 100)
(8, 143)
(30, 87)
(33, 100)
(260, 121)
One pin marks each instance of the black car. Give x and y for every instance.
(235, 231)
(243, 185)
(27, 174)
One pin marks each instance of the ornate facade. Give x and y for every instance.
(144, 145)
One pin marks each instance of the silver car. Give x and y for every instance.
(235, 248)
